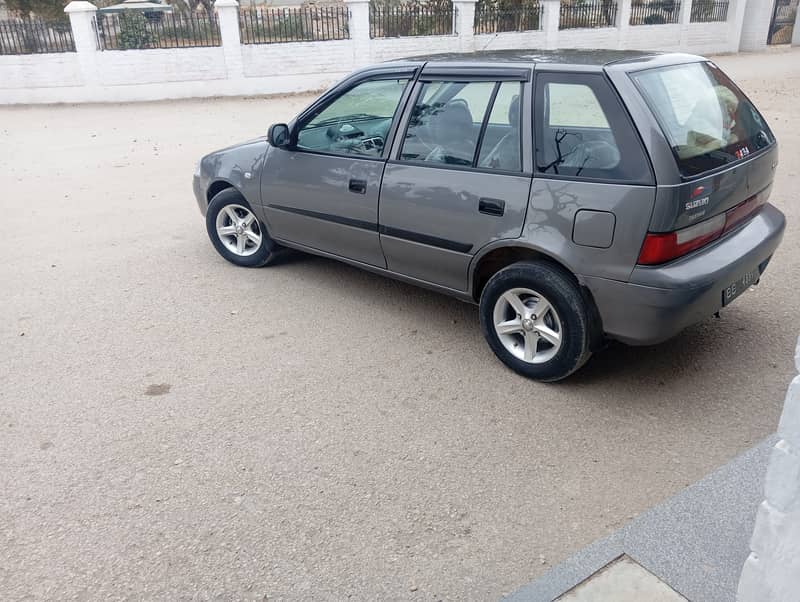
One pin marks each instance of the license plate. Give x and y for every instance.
(736, 288)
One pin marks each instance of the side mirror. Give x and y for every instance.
(278, 135)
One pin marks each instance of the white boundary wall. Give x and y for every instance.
(233, 69)
(772, 572)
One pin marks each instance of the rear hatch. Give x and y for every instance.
(724, 150)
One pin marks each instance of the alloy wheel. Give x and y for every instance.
(527, 325)
(238, 229)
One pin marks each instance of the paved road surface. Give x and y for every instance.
(172, 426)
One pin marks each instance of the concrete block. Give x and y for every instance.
(770, 523)
(782, 486)
(752, 583)
(789, 425)
(797, 348)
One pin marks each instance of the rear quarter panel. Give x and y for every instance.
(551, 216)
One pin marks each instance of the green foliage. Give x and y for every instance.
(654, 19)
(668, 6)
(507, 15)
(413, 17)
(133, 31)
(290, 26)
(50, 10)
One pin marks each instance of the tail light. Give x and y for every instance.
(662, 247)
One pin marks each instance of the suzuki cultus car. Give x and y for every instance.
(575, 196)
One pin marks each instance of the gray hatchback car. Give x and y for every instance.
(575, 196)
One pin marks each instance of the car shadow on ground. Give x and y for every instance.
(687, 353)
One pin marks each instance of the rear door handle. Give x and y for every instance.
(358, 186)
(492, 206)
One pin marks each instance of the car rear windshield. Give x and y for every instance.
(705, 117)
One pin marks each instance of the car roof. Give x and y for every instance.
(568, 59)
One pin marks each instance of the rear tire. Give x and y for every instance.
(536, 320)
(236, 232)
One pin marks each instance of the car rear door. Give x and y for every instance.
(322, 191)
(459, 174)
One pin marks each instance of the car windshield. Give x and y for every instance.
(705, 117)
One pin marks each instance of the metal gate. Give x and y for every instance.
(782, 24)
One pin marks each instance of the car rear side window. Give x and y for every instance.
(466, 124)
(705, 117)
(582, 130)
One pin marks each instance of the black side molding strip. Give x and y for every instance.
(425, 239)
(433, 241)
(329, 217)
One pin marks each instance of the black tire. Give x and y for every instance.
(563, 294)
(258, 257)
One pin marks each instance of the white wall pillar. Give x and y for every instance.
(755, 24)
(465, 24)
(358, 21)
(228, 15)
(684, 18)
(772, 571)
(551, 17)
(623, 22)
(81, 15)
(796, 30)
(736, 10)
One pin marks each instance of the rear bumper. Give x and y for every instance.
(660, 301)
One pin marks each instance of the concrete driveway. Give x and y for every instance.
(172, 426)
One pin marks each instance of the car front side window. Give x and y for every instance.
(355, 123)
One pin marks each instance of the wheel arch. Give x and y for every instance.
(493, 258)
(216, 187)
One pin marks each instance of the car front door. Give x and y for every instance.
(322, 190)
(460, 173)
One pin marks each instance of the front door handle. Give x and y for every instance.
(492, 206)
(358, 186)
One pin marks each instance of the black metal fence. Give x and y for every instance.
(490, 19)
(655, 12)
(137, 30)
(306, 24)
(35, 36)
(707, 11)
(781, 28)
(578, 14)
(411, 20)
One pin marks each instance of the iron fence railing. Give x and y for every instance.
(145, 30)
(707, 11)
(489, 19)
(411, 20)
(597, 13)
(305, 24)
(655, 12)
(35, 36)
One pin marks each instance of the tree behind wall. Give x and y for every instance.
(50, 10)
(53, 10)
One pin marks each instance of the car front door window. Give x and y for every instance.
(355, 123)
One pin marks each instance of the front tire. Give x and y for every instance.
(236, 232)
(536, 321)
